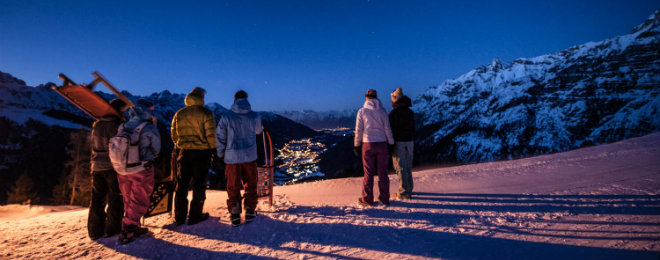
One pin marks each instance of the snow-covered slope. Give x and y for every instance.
(597, 92)
(601, 202)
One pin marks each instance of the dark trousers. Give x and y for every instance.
(192, 164)
(105, 190)
(245, 173)
(375, 162)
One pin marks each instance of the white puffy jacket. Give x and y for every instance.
(372, 124)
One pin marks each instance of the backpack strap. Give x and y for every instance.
(135, 136)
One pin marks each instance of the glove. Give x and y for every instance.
(220, 162)
(390, 148)
(214, 156)
(217, 161)
(357, 150)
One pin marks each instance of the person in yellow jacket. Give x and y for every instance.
(193, 134)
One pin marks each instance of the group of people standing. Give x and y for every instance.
(378, 135)
(231, 144)
(198, 142)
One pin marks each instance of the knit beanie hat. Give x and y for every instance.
(144, 103)
(371, 94)
(118, 105)
(396, 94)
(240, 94)
(199, 91)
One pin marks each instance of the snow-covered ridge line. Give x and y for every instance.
(597, 92)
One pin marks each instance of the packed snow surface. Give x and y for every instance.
(592, 203)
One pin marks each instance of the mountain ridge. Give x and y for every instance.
(592, 93)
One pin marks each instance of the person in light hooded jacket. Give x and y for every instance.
(373, 139)
(193, 134)
(237, 148)
(136, 188)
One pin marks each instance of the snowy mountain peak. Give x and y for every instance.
(597, 92)
(497, 64)
(8, 80)
(650, 23)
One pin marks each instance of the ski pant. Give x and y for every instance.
(136, 189)
(375, 162)
(192, 164)
(402, 159)
(234, 174)
(105, 191)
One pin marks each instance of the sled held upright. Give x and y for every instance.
(83, 96)
(265, 172)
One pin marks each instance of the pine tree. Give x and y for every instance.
(78, 166)
(62, 191)
(22, 192)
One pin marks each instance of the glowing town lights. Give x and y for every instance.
(299, 158)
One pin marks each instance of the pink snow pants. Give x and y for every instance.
(375, 162)
(136, 189)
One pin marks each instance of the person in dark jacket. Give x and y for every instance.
(105, 189)
(402, 122)
(193, 134)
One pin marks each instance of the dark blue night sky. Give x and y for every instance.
(317, 55)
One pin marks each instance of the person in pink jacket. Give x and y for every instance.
(373, 138)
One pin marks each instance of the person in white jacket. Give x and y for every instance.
(373, 139)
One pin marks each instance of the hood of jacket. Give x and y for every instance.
(241, 106)
(194, 99)
(137, 115)
(373, 104)
(403, 101)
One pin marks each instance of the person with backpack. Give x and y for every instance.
(136, 179)
(105, 188)
(402, 122)
(237, 148)
(193, 134)
(373, 139)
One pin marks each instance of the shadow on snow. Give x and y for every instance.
(273, 234)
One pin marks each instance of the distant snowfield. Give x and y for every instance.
(593, 203)
(21, 115)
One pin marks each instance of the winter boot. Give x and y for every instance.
(235, 219)
(201, 218)
(363, 203)
(250, 214)
(140, 231)
(126, 236)
(386, 203)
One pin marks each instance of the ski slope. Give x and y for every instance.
(599, 202)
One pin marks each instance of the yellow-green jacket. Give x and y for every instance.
(193, 127)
